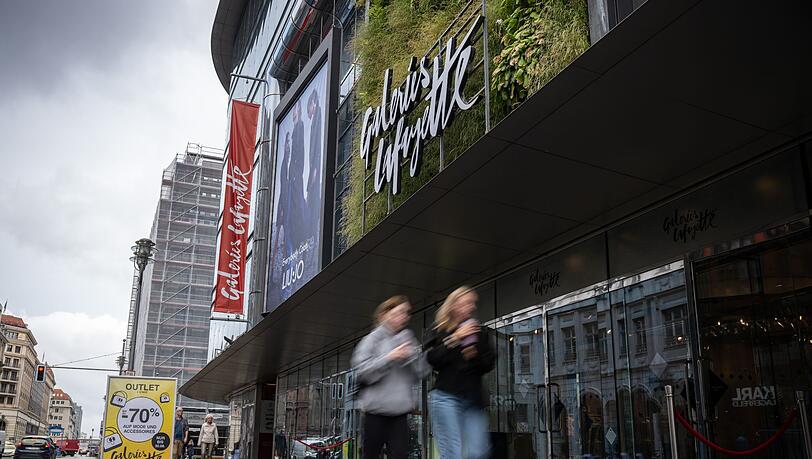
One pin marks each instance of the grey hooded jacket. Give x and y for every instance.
(390, 387)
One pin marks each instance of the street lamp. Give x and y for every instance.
(143, 251)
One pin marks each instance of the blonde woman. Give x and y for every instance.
(389, 365)
(460, 352)
(208, 437)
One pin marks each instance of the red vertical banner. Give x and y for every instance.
(230, 291)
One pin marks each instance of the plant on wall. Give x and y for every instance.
(538, 40)
(529, 44)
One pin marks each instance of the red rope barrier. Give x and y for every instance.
(731, 452)
(326, 447)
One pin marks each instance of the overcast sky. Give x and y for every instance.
(97, 98)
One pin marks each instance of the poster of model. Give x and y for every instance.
(138, 417)
(296, 231)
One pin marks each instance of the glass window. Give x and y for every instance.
(674, 320)
(653, 363)
(582, 390)
(603, 348)
(591, 337)
(622, 338)
(34, 442)
(641, 344)
(515, 387)
(524, 358)
(570, 344)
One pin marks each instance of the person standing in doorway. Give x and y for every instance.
(208, 437)
(389, 364)
(181, 434)
(280, 444)
(461, 354)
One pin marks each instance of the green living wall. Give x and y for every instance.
(529, 43)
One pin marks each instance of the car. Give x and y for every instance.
(35, 447)
(8, 449)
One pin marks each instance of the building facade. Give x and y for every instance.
(23, 402)
(64, 416)
(171, 326)
(634, 217)
(77, 421)
(172, 335)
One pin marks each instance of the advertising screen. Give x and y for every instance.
(298, 204)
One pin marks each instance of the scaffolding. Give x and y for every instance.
(172, 339)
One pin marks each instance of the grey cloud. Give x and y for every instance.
(41, 40)
(98, 96)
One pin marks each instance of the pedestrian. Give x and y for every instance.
(235, 453)
(280, 444)
(190, 449)
(389, 364)
(460, 352)
(208, 437)
(181, 434)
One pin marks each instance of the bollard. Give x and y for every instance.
(799, 399)
(672, 426)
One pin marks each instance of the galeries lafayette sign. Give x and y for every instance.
(232, 248)
(444, 78)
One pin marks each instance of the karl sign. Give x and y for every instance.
(754, 396)
(444, 78)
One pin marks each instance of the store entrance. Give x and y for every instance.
(755, 334)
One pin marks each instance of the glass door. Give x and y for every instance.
(755, 325)
(611, 350)
(581, 380)
(520, 398)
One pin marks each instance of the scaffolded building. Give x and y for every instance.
(169, 330)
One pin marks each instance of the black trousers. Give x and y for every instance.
(392, 431)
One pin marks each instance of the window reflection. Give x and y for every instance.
(566, 384)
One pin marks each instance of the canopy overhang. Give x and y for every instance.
(679, 91)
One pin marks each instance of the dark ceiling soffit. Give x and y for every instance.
(208, 383)
(223, 34)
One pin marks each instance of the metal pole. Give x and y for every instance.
(486, 67)
(799, 399)
(122, 358)
(672, 427)
(131, 363)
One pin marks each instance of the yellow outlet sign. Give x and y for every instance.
(139, 416)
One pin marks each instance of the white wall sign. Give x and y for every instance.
(444, 78)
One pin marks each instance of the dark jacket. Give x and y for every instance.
(296, 229)
(458, 376)
(314, 177)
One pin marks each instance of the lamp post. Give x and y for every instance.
(143, 251)
(122, 359)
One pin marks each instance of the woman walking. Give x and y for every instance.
(460, 352)
(389, 365)
(208, 437)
